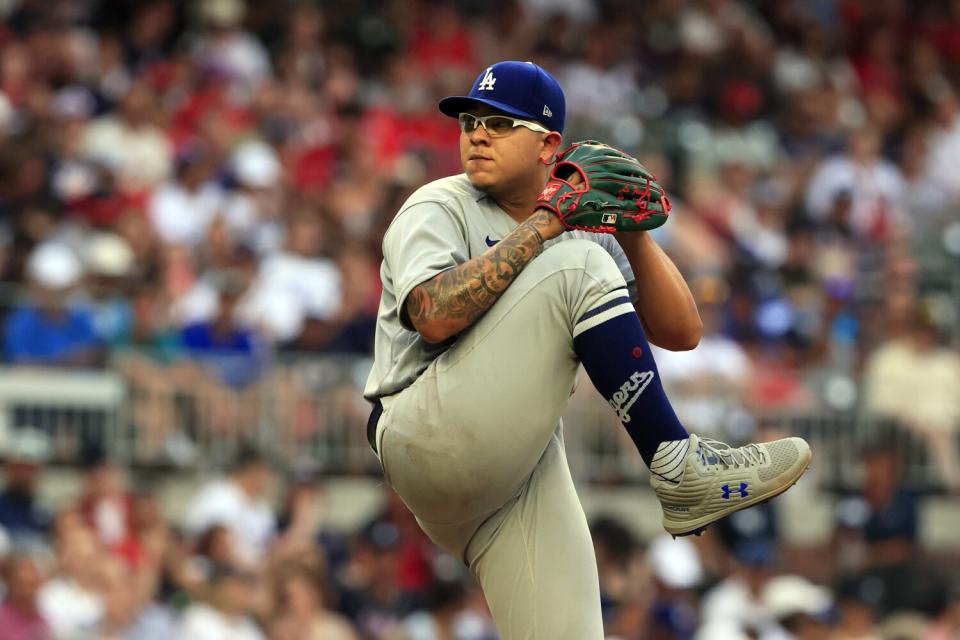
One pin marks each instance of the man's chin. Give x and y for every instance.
(480, 181)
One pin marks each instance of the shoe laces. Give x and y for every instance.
(728, 456)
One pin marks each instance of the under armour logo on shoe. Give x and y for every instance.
(487, 82)
(727, 491)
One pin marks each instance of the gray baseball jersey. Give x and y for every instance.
(441, 225)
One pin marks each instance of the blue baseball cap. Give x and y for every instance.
(521, 89)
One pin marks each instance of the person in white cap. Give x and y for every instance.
(110, 263)
(48, 329)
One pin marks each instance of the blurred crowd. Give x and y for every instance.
(246, 559)
(190, 190)
(251, 555)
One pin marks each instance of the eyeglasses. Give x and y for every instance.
(496, 126)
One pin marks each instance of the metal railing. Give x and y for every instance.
(309, 411)
(81, 411)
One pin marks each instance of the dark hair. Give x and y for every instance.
(220, 573)
(885, 440)
(247, 457)
(444, 593)
(619, 542)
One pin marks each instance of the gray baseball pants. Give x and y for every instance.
(474, 447)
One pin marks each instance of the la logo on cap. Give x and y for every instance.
(487, 82)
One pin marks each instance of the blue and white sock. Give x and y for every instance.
(670, 460)
(611, 344)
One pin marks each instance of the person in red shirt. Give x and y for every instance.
(107, 507)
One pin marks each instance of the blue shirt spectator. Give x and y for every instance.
(21, 515)
(229, 353)
(35, 336)
(49, 329)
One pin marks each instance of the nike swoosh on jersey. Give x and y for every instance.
(490, 242)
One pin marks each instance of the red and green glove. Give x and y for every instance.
(615, 192)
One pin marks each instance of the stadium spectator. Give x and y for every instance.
(20, 618)
(222, 346)
(109, 261)
(24, 519)
(711, 379)
(618, 553)
(128, 612)
(216, 547)
(352, 329)
(448, 615)
(302, 612)
(72, 600)
(926, 200)
(49, 329)
(151, 360)
(253, 211)
(183, 208)
(734, 608)
(129, 143)
(227, 614)
(914, 365)
(228, 359)
(372, 595)
(300, 522)
(857, 620)
(885, 516)
(238, 502)
(943, 142)
(76, 181)
(945, 616)
(800, 608)
(876, 187)
(108, 509)
(223, 44)
(296, 285)
(677, 571)
(602, 84)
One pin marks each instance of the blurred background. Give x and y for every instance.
(192, 202)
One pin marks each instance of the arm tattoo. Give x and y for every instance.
(462, 294)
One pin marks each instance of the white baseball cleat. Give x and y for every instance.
(719, 479)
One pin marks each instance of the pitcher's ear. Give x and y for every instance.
(551, 144)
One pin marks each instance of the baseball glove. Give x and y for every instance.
(615, 192)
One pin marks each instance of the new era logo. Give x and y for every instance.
(547, 112)
(487, 82)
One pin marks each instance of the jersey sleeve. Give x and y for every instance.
(610, 244)
(424, 240)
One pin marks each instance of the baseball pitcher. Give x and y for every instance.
(497, 284)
